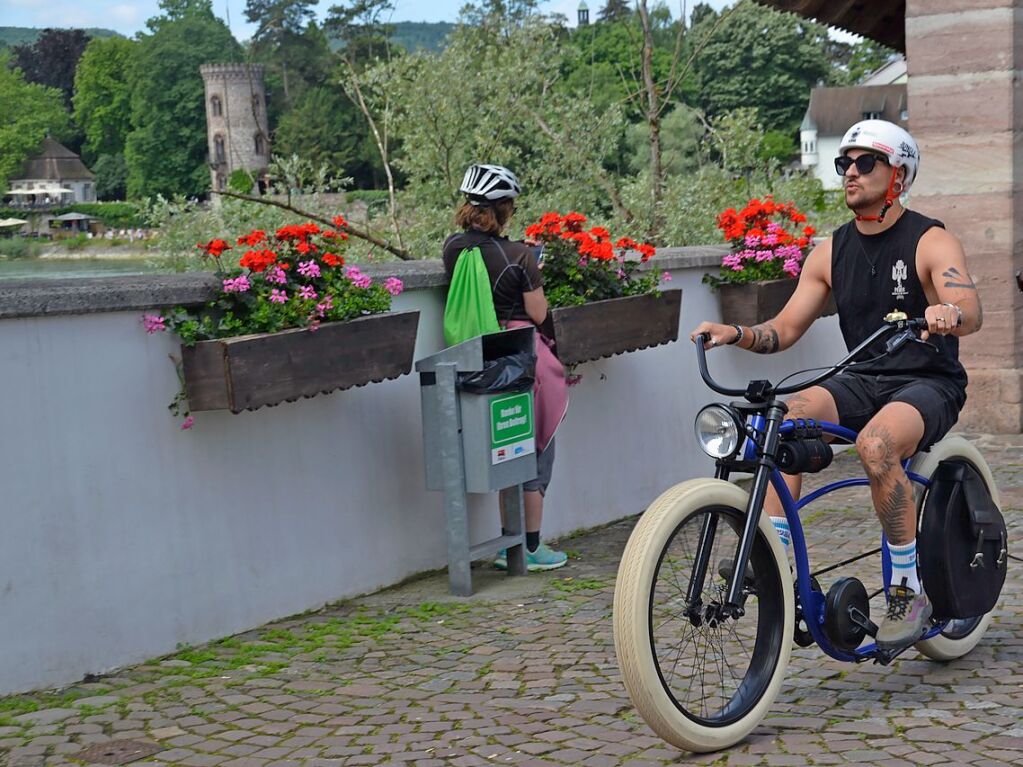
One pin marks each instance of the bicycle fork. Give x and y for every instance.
(733, 606)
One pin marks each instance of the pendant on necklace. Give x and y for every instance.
(873, 271)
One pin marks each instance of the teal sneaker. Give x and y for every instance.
(544, 558)
(501, 563)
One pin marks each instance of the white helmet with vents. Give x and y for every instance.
(888, 139)
(486, 183)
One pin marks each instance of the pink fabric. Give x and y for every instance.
(550, 392)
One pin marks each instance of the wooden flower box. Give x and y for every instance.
(751, 303)
(605, 328)
(247, 372)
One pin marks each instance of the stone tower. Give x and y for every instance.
(236, 122)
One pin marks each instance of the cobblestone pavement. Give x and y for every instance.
(525, 673)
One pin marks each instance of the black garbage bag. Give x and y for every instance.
(511, 373)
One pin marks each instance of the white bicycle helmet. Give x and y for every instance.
(888, 139)
(484, 184)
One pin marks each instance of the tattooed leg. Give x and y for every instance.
(891, 436)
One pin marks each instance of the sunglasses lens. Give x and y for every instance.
(865, 163)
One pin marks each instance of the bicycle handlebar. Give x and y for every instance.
(908, 329)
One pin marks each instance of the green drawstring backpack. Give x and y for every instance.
(469, 311)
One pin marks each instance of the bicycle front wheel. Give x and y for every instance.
(702, 682)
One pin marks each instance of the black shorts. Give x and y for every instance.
(860, 396)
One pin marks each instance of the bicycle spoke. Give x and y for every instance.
(715, 667)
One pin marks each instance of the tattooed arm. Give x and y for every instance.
(945, 264)
(802, 309)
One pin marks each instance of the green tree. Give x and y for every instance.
(325, 128)
(359, 27)
(103, 96)
(29, 113)
(758, 57)
(111, 177)
(858, 60)
(175, 10)
(278, 24)
(166, 152)
(615, 10)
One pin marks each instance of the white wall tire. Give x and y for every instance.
(941, 647)
(632, 610)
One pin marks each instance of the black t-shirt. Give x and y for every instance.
(872, 275)
(511, 266)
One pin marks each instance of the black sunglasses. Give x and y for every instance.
(865, 163)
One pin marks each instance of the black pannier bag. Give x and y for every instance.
(963, 547)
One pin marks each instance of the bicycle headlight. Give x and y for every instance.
(718, 430)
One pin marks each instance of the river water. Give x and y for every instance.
(57, 268)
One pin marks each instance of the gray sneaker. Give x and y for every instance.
(906, 619)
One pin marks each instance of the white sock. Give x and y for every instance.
(781, 525)
(904, 565)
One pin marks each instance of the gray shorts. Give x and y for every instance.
(544, 468)
(859, 397)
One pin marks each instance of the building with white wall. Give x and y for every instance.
(55, 176)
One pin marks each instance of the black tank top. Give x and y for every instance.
(872, 275)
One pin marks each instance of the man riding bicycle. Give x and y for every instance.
(888, 258)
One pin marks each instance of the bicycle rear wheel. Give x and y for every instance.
(702, 682)
(960, 635)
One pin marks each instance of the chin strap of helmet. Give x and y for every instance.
(889, 200)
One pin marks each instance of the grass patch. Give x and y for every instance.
(570, 585)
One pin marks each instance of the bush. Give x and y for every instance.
(114, 215)
(79, 242)
(19, 247)
(366, 195)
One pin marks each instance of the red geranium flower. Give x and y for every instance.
(214, 248)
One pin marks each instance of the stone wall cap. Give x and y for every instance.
(39, 297)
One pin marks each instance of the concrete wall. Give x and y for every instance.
(965, 112)
(124, 536)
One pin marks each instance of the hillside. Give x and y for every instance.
(11, 36)
(421, 35)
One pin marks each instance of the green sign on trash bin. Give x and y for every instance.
(511, 427)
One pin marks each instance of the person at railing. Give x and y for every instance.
(887, 258)
(517, 288)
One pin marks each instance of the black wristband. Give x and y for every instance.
(738, 335)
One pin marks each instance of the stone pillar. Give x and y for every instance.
(966, 112)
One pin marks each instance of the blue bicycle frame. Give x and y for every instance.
(813, 601)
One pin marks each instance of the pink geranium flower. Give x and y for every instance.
(239, 284)
(307, 291)
(358, 279)
(278, 296)
(309, 268)
(393, 286)
(153, 323)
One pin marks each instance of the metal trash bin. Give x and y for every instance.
(477, 443)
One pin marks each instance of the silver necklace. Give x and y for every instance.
(872, 262)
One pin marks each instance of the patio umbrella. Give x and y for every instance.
(5, 222)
